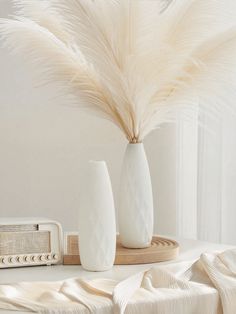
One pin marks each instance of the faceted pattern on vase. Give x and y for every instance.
(97, 228)
(135, 210)
(100, 244)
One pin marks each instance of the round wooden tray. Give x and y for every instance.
(161, 250)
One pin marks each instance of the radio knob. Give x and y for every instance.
(42, 258)
(33, 258)
(20, 259)
(48, 257)
(10, 259)
(26, 259)
(2, 260)
(55, 256)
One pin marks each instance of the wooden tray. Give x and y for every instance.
(161, 250)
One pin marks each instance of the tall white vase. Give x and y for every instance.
(97, 228)
(135, 210)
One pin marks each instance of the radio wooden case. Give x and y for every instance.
(29, 242)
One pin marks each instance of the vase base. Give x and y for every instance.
(135, 245)
(98, 269)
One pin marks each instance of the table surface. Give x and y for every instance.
(189, 250)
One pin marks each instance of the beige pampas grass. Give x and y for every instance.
(134, 62)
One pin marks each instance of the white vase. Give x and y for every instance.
(97, 228)
(135, 210)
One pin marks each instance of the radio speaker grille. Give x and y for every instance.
(12, 243)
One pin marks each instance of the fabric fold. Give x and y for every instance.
(204, 286)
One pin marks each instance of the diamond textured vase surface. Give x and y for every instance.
(135, 210)
(97, 229)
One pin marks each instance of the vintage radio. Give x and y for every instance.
(29, 242)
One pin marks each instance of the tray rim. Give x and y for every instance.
(166, 253)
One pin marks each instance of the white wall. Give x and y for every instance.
(44, 145)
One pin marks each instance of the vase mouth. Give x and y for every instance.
(135, 143)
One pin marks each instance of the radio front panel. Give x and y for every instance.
(30, 244)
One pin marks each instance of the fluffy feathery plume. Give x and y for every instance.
(134, 62)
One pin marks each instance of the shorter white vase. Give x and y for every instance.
(97, 228)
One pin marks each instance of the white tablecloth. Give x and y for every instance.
(206, 286)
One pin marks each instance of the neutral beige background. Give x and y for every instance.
(45, 144)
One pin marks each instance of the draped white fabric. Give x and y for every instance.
(207, 286)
